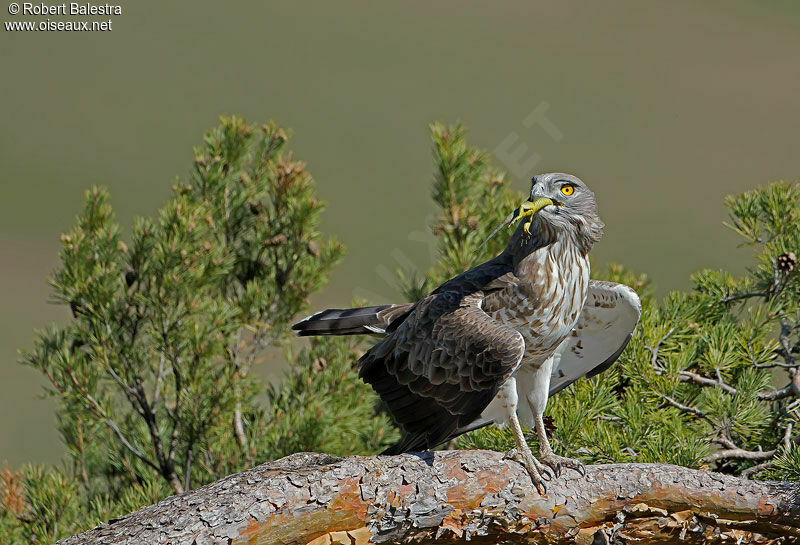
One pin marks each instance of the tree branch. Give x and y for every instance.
(733, 451)
(100, 412)
(454, 496)
(654, 350)
(166, 464)
(740, 454)
(781, 393)
(238, 424)
(741, 296)
(668, 401)
(689, 376)
(94, 406)
(791, 389)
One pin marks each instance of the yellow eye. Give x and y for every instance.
(568, 189)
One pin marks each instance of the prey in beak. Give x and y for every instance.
(526, 210)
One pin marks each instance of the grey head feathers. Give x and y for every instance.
(574, 217)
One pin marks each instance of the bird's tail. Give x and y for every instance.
(352, 321)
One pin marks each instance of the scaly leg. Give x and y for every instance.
(503, 410)
(548, 457)
(539, 384)
(524, 456)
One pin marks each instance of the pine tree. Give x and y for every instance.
(152, 374)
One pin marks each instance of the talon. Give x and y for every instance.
(558, 463)
(535, 470)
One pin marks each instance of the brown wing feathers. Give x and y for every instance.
(443, 358)
(441, 367)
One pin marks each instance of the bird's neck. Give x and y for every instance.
(550, 259)
(561, 258)
(555, 278)
(546, 237)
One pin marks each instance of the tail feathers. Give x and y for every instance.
(349, 321)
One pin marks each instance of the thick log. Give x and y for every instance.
(453, 496)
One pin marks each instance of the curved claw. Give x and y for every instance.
(558, 463)
(535, 470)
(511, 455)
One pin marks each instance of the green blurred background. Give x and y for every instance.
(662, 107)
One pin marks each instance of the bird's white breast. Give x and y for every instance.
(545, 306)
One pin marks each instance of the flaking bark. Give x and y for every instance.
(454, 496)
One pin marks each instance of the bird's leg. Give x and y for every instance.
(546, 454)
(505, 403)
(535, 381)
(524, 456)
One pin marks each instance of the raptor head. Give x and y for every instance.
(559, 205)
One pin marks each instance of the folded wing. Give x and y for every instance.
(441, 367)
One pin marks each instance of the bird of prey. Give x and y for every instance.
(493, 343)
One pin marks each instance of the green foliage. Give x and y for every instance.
(49, 506)
(322, 405)
(786, 466)
(156, 359)
(43, 504)
(152, 375)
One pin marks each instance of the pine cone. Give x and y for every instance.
(277, 240)
(319, 364)
(786, 262)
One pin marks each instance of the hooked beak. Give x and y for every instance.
(528, 209)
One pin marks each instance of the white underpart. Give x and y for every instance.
(566, 273)
(503, 405)
(610, 313)
(533, 385)
(530, 384)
